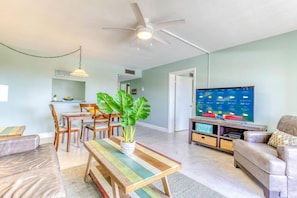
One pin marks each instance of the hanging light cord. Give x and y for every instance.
(36, 56)
(79, 57)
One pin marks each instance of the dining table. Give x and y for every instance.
(69, 117)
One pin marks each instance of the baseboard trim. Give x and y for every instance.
(46, 135)
(162, 129)
(153, 126)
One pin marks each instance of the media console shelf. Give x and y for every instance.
(218, 134)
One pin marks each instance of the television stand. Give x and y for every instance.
(218, 134)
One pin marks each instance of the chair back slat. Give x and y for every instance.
(87, 107)
(55, 117)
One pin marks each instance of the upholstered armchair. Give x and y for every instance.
(271, 158)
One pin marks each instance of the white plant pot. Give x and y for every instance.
(127, 147)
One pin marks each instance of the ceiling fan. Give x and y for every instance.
(145, 30)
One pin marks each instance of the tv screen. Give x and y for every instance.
(232, 103)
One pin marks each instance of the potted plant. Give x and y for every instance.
(55, 97)
(130, 111)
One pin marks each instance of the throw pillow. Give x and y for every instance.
(279, 138)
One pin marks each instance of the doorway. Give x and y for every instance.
(181, 99)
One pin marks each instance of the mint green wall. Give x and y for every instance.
(155, 82)
(269, 64)
(30, 87)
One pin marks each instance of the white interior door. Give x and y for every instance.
(183, 102)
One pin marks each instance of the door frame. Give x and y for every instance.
(171, 96)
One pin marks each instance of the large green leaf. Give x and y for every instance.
(128, 118)
(123, 100)
(106, 103)
(140, 109)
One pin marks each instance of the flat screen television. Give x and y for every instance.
(230, 103)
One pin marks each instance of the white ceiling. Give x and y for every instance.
(61, 26)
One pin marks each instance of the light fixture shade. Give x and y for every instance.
(79, 72)
(144, 33)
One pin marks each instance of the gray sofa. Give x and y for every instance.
(274, 167)
(28, 169)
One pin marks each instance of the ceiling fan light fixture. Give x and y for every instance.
(144, 33)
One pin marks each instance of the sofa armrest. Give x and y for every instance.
(289, 155)
(20, 144)
(257, 136)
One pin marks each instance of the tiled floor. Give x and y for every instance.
(210, 167)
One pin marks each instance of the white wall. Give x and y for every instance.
(30, 87)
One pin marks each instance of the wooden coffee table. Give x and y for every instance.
(11, 131)
(119, 175)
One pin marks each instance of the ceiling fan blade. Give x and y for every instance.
(166, 24)
(138, 14)
(120, 28)
(161, 40)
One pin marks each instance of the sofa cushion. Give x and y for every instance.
(262, 155)
(18, 144)
(43, 156)
(44, 182)
(280, 138)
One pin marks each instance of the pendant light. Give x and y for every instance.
(79, 71)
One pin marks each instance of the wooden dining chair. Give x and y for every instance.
(100, 124)
(87, 107)
(90, 108)
(62, 129)
(114, 123)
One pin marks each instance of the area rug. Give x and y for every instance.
(181, 186)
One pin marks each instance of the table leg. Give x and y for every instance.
(88, 167)
(109, 132)
(166, 186)
(69, 134)
(115, 189)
